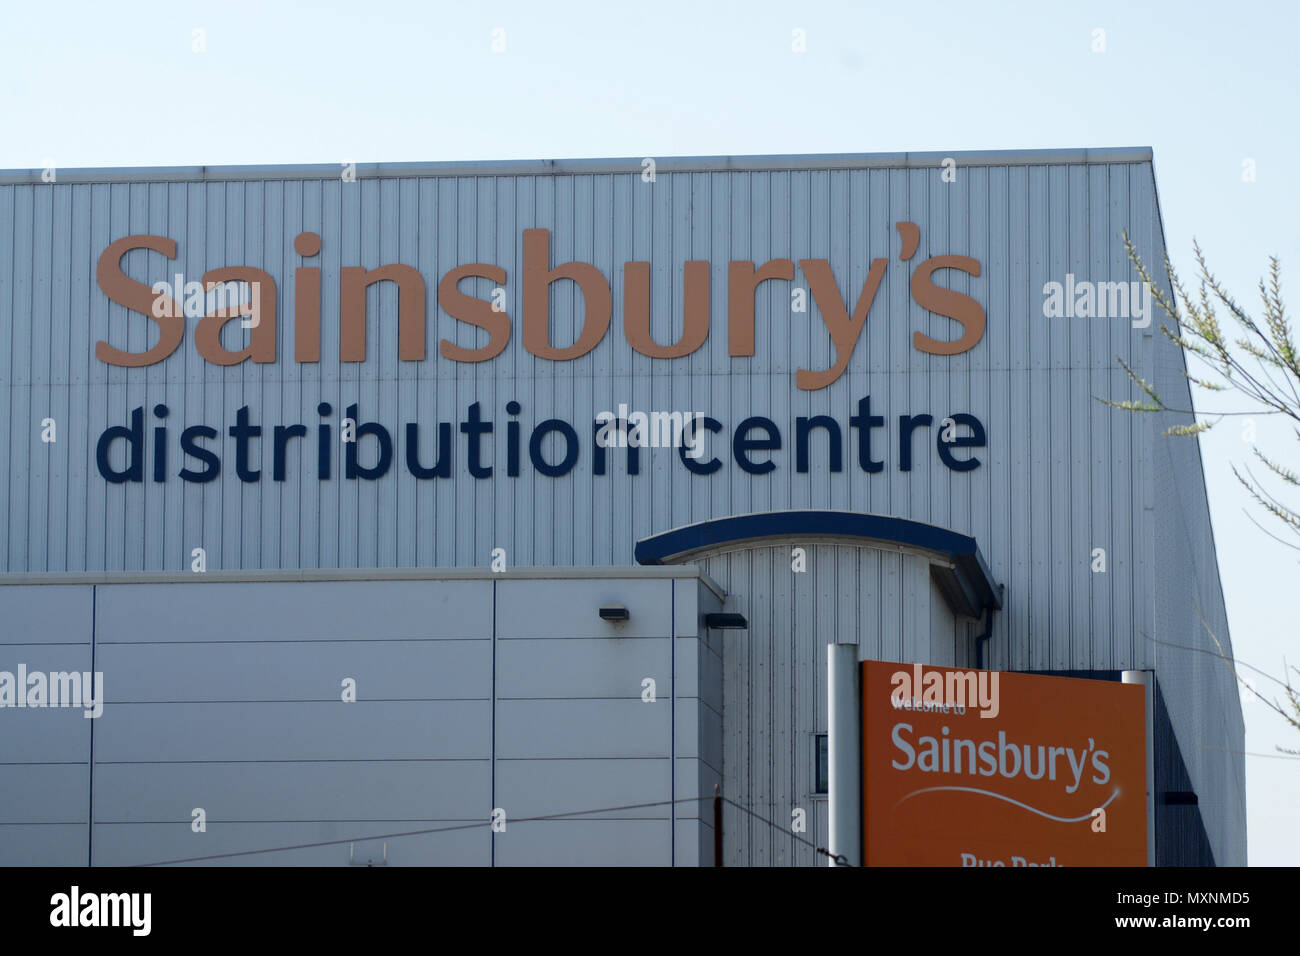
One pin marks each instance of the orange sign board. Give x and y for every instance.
(986, 768)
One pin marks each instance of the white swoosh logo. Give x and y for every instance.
(1000, 796)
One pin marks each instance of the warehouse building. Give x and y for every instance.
(497, 513)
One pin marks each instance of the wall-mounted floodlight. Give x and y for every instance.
(614, 612)
(726, 621)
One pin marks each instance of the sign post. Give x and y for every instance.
(844, 778)
(1145, 679)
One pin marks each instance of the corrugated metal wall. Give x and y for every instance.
(1058, 471)
(1061, 475)
(774, 673)
(1189, 615)
(1181, 839)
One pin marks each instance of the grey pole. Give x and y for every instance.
(1144, 678)
(844, 752)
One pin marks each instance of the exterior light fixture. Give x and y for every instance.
(614, 612)
(726, 622)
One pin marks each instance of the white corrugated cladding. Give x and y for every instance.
(1061, 473)
(1189, 614)
(774, 673)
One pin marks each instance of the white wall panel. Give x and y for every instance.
(225, 695)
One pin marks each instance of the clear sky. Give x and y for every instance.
(1207, 85)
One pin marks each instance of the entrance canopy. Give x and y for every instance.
(957, 567)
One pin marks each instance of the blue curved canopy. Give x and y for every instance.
(967, 585)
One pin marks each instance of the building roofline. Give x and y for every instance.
(580, 167)
(262, 576)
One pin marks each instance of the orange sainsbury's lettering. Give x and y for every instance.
(743, 277)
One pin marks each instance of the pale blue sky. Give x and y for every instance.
(1206, 85)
